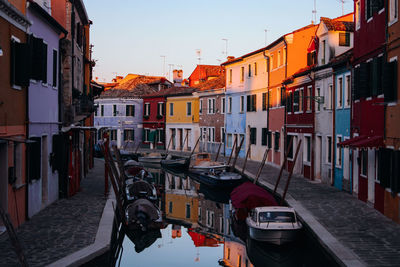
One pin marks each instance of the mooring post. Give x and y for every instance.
(219, 149)
(261, 165)
(194, 148)
(169, 143)
(290, 174)
(283, 165)
(106, 170)
(232, 151)
(237, 153)
(245, 160)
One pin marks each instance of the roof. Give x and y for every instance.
(137, 92)
(210, 70)
(172, 91)
(216, 83)
(131, 81)
(337, 25)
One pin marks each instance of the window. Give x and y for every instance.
(372, 7)
(160, 135)
(113, 135)
(229, 141)
(272, 62)
(339, 92)
(187, 211)
(171, 109)
(329, 97)
(358, 14)
(210, 218)
(249, 70)
(389, 80)
(255, 68)
(211, 106)
(242, 74)
(284, 56)
(230, 75)
(347, 90)
(289, 102)
(222, 134)
(393, 11)
(147, 109)
(251, 102)
(269, 98)
(160, 109)
(269, 139)
(102, 110)
(301, 99)
(296, 101)
(55, 67)
(170, 207)
(338, 152)
(130, 110)
(128, 135)
(201, 107)
(114, 110)
(364, 162)
(210, 134)
(323, 52)
(18, 67)
(344, 39)
(223, 105)
(307, 149)
(264, 136)
(146, 135)
(230, 104)
(328, 149)
(242, 103)
(35, 154)
(317, 103)
(264, 101)
(309, 98)
(253, 136)
(276, 145)
(279, 58)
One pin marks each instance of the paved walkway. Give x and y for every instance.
(360, 228)
(62, 228)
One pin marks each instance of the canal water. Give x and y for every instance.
(198, 232)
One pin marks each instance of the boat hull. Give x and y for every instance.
(176, 164)
(274, 236)
(215, 180)
(154, 160)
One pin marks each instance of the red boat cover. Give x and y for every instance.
(248, 196)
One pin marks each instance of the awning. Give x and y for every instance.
(364, 142)
(350, 141)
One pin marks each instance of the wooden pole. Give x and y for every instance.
(232, 151)
(245, 160)
(290, 174)
(137, 147)
(219, 149)
(237, 153)
(13, 238)
(261, 165)
(169, 143)
(197, 142)
(106, 170)
(283, 165)
(120, 164)
(184, 141)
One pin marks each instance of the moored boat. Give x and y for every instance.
(276, 225)
(203, 162)
(176, 163)
(143, 214)
(151, 158)
(137, 189)
(216, 178)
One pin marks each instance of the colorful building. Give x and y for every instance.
(182, 122)
(154, 120)
(212, 105)
(14, 82)
(203, 73)
(43, 107)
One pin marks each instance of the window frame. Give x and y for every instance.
(171, 109)
(307, 151)
(339, 95)
(338, 154)
(189, 112)
(223, 103)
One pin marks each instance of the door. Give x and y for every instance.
(3, 179)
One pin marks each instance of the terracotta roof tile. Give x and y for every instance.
(172, 91)
(335, 25)
(216, 83)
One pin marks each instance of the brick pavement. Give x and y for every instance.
(62, 228)
(374, 238)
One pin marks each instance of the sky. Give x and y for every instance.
(135, 36)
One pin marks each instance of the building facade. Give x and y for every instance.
(203, 73)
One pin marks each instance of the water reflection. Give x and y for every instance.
(199, 231)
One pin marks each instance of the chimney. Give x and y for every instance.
(230, 58)
(177, 77)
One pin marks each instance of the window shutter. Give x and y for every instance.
(390, 81)
(264, 136)
(22, 65)
(34, 159)
(158, 109)
(55, 65)
(269, 139)
(395, 183)
(363, 80)
(375, 77)
(254, 102)
(248, 103)
(264, 101)
(44, 63)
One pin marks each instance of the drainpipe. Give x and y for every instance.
(72, 46)
(334, 128)
(60, 85)
(285, 111)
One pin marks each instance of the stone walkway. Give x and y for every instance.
(374, 238)
(62, 228)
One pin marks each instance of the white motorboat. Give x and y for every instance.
(276, 225)
(203, 162)
(153, 158)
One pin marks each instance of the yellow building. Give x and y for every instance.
(182, 121)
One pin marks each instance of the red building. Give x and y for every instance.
(367, 122)
(154, 119)
(203, 73)
(300, 121)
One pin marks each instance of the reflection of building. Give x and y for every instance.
(176, 231)
(181, 199)
(211, 216)
(235, 253)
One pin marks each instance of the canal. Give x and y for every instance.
(198, 232)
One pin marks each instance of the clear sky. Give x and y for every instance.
(130, 36)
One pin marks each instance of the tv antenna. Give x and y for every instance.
(314, 13)
(226, 47)
(163, 65)
(342, 2)
(198, 52)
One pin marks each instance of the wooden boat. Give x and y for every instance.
(203, 162)
(216, 178)
(276, 225)
(143, 239)
(137, 189)
(143, 214)
(176, 163)
(151, 158)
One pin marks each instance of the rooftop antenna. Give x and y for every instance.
(169, 71)
(226, 47)
(342, 2)
(198, 52)
(314, 12)
(163, 74)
